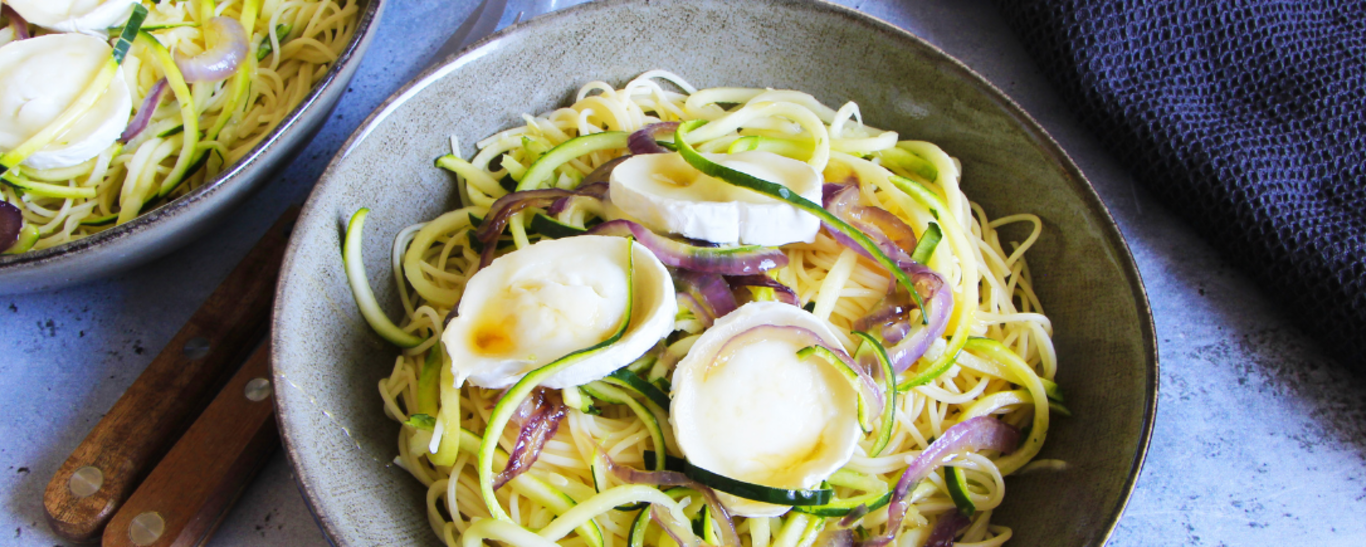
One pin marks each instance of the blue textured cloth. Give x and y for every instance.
(1248, 118)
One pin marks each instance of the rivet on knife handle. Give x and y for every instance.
(183, 499)
(131, 438)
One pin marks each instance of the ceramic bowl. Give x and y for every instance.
(327, 361)
(164, 229)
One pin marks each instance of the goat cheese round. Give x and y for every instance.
(557, 296)
(39, 78)
(748, 408)
(93, 17)
(668, 195)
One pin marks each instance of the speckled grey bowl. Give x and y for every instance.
(164, 229)
(327, 361)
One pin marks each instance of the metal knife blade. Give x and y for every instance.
(481, 23)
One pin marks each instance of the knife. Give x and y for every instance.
(187, 495)
(129, 441)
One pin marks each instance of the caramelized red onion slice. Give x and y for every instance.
(888, 226)
(888, 313)
(503, 209)
(896, 332)
(838, 198)
(11, 222)
(896, 239)
(828, 191)
(149, 106)
(875, 221)
(707, 293)
(721, 260)
(631, 475)
(603, 173)
(948, 526)
(853, 516)
(784, 293)
(643, 140)
(559, 205)
(228, 50)
(980, 433)
(597, 191)
(16, 22)
(540, 416)
(939, 304)
(833, 196)
(891, 234)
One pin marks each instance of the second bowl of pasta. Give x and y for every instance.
(132, 126)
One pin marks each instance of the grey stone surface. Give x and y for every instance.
(1260, 439)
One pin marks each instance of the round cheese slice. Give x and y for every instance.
(94, 17)
(668, 195)
(39, 78)
(746, 407)
(557, 296)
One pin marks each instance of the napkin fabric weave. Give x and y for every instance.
(1246, 117)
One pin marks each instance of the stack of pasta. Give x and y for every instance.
(902, 297)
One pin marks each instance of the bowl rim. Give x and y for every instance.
(365, 24)
(1032, 128)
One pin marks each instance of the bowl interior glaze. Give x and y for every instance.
(327, 361)
(166, 228)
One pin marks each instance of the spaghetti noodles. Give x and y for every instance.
(1004, 371)
(212, 123)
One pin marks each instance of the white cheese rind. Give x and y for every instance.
(92, 17)
(669, 195)
(39, 78)
(537, 304)
(764, 416)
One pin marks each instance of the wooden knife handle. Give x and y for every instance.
(131, 438)
(182, 501)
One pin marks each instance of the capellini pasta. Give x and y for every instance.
(989, 365)
(208, 81)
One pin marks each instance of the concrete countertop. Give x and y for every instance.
(1260, 438)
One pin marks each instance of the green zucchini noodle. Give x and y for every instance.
(291, 45)
(990, 280)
